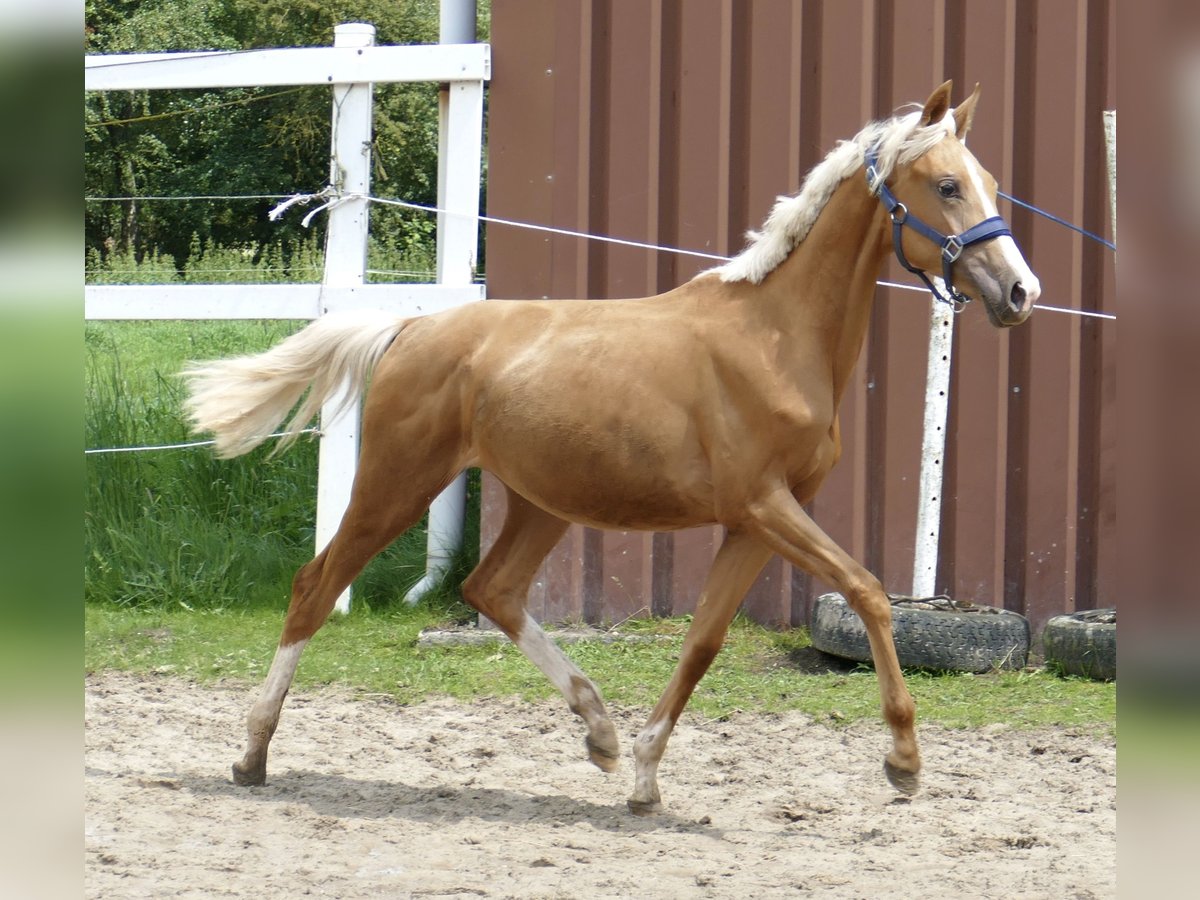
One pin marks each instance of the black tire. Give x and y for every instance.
(966, 639)
(1083, 643)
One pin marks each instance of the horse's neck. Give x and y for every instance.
(826, 286)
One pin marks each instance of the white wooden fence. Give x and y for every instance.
(350, 67)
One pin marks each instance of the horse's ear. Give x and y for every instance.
(937, 105)
(965, 112)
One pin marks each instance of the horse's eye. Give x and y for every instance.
(948, 189)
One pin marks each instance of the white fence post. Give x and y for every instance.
(345, 267)
(933, 450)
(460, 145)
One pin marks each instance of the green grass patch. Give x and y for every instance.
(758, 671)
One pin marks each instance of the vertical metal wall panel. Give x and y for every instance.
(972, 541)
(525, 136)
(699, 139)
(1049, 529)
(910, 60)
(845, 83)
(678, 123)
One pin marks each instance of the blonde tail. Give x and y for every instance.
(242, 400)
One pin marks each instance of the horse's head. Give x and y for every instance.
(944, 203)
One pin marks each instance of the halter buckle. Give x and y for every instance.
(952, 249)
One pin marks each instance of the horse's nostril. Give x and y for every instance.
(1016, 298)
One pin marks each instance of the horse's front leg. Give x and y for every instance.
(783, 525)
(737, 564)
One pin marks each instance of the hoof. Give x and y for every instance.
(605, 756)
(249, 777)
(644, 807)
(905, 782)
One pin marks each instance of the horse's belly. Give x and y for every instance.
(646, 510)
(623, 478)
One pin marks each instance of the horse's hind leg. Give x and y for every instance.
(737, 564)
(373, 519)
(498, 588)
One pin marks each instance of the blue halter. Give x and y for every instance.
(952, 245)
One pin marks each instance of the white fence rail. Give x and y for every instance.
(339, 64)
(267, 301)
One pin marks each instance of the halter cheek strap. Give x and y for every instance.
(951, 246)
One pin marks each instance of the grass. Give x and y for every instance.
(759, 670)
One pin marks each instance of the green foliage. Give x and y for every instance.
(245, 141)
(123, 267)
(391, 259)
(293, 262)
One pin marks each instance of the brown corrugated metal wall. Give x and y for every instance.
(678, 123)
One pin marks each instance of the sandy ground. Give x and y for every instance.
(366, 798)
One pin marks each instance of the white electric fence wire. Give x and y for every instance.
(1086, 313)
(333, 199)
(404, 204)
(187, 444)
(582, 234)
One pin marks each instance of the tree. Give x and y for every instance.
(246, 141)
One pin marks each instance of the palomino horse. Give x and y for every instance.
(715, 402)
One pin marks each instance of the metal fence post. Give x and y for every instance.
(1110, 144)
(460, 117)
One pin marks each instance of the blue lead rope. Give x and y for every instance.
(1053, 218)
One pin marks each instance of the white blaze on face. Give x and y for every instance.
(1008, 247)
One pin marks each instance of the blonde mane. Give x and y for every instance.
(898, 141)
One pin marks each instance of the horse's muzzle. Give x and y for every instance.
(1014, 306)
(1020, 299)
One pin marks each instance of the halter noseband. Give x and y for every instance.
(952, 245)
